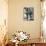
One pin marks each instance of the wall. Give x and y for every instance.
(16, 21)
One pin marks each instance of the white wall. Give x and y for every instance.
(16, 21)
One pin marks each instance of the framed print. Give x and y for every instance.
(28, 13)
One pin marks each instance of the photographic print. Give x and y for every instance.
(28, 13)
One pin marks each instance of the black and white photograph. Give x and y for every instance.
(28, 13)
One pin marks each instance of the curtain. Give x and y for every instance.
(3, 18)
(44, 20)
